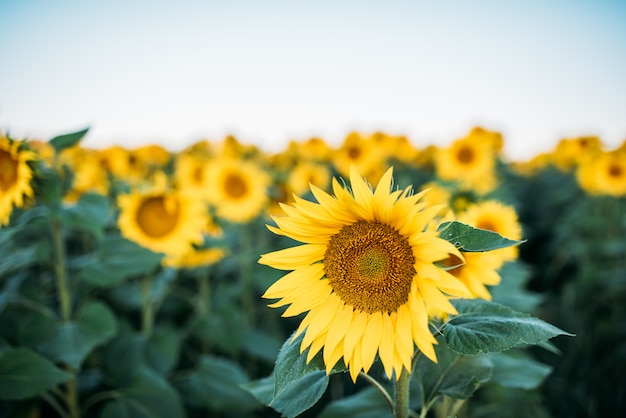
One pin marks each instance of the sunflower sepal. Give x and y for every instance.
(467, 238)
(481, 326)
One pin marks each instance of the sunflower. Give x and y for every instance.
(604, 175)
(497, 217)
(164, 221)
(205, 255)
(478, 271)
(237, 189)
(15, 176)
(365, 275)
(190, 174)
(357, 150)
(469, 162)
(570, 152)
(304, 174)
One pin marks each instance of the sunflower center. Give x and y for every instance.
(198, 175)
(8, 170)
(354, 152)
(235, 186)
(465, 155)
(486, 224)
(615, 171)
(157, 216)
(370, 266)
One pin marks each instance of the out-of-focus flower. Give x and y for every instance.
(15, 176)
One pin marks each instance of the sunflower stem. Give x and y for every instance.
(379, 387)
(401, 407)
(65, 307)
(147, 307)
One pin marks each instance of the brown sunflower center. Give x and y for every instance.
(157, 216)
(465, 155)
(615, 171)
(486, 224)
(370, 266)
(235, 186)
(197, 175)
(8, 170)
(354, 153)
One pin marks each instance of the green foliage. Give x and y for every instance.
(64, 141)
(486, 327)
(24, 373)
(469, 239)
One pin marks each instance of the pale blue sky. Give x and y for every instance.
(271, 71)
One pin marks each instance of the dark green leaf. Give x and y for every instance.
(455, 375)
(215, 385)
(148, 396)
(74, 340)
(486, 327)
(90, 214)
(518, 371)
(116, 260)
(261, 389)
(24, 374)
(301, 394)
(469, 239)
(67, 140)
(162, 348)
(367, 403)
(261, 345)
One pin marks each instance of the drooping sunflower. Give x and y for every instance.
(365, 275)
(468, 161)
(497, 217)
(604, 175)
(164, 221)
(15, 176)
(237, 189)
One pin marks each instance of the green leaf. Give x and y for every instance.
(487, 327)
(116, 260)
(90, 214)
(455, 375)
(162, 349)
(261, 389)
(67, 140)
(261, 345)
(148, 396)
(24, 374)
(518, 371)
(367, 403)
(512, 290)
(74, 340)
(469, 239)
(298, 385)
(215, 385)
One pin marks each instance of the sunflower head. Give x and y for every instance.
(164, 221)
(604, 175)
(366, 274)
(15, 176)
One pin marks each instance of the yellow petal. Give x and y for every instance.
(294, 257)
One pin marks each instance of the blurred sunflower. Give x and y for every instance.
(497, 217)
(359, 151)
(164, 221)
(204, 255)
(365, 275)
(15, 176)
(604, 175)
(469, 162)
(237, 189)
(478, 271)
(190, 174)
(305, 174)
(570, 152)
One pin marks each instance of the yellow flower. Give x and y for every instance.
(359, 151)
(199, 256)
(365, 275)
(470, 161)
(191, 174)
(163, 221)
(15, 176)
(604, 175)
(570, 152)
(478, 271)
(304, 174)
(497, 217)
(237, 189)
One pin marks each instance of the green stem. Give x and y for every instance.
(58, 247)
(147, 307)
(401, 409)
(379, 387)
(65, 307)
(204, 295)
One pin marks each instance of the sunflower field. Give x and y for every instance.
(401, 280)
